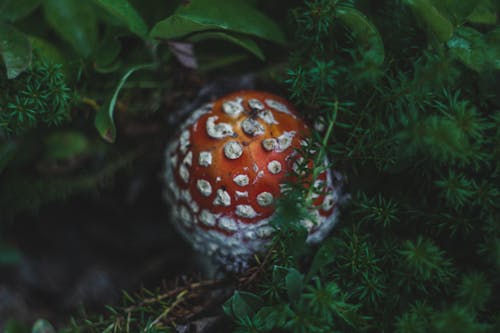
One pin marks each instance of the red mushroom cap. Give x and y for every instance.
(225, 169)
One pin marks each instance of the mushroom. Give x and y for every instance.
(225, 169)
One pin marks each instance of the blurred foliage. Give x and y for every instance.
(406, 90)
(65, 63)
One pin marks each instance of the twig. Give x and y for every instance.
(91, 102)
(178, 300)
(257, 270)
(173, 292)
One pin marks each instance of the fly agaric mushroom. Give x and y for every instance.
(224, 171)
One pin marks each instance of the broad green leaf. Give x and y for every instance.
(323, 257)
(363, 31)
(15, 49)
(124, 11)
(475, 50)
(484, 13)
(294, 284)
(270, 317)
(230, 16)
(242, 304)
(75, 22)
(46, 50)
(42, 326)
(238, 39)
(104, 120)
(63, 145)
(279, 274)
(13, 10)
(455, 10)
(107, 52)
(155, 11)
(436, 23)
(212, 63)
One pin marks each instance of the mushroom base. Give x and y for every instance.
(234, 251)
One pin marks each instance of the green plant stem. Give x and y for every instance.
(321, 154)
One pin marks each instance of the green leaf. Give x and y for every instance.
(455, 10)
(124, 11)
(270, 317)
(238, 39)
(294, 284)
(366, 34)
(436, 23)
(242, 304)
(484, 13)
(214, 62)
(279, 274)
(106, 54)
(104, 121)
(15, 49)
(230, 16)
(42, 326)
(46, 50)
(63, 145)
(75, 22)
(13, 10)
(295, 241)
(323, 257)
(475, 50)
